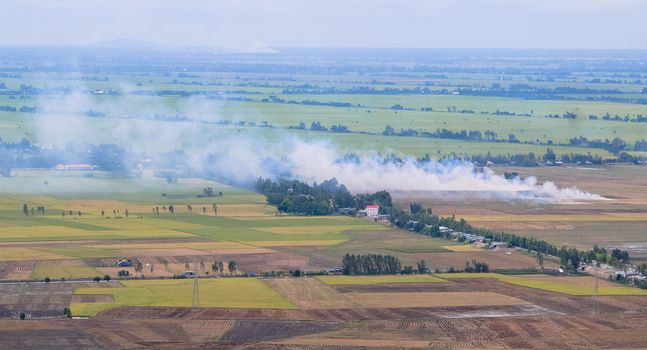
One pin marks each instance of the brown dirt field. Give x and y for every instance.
(557, 301)
(496, 259)
(16, 270)
(275, 261)
(206, 331)
(436, 299)
(254, 331)
(345, 342)
(310, 293)
(543, 332)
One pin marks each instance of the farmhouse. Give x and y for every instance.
(372, 210)
(74, 167)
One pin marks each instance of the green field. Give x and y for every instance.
(243, 216)
(223, 293)
(369, 113)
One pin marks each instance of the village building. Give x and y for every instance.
(372, 210)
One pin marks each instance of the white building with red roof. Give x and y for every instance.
(372, 210)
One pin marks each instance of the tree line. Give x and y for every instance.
(422, 220)
(371, 264)
(294, 196)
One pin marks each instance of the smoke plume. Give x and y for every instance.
(242, 154)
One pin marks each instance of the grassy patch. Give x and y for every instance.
(83, 252)
(20, 253)
(60, 271)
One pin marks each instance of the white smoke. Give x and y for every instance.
(242, 154)
(317, 161)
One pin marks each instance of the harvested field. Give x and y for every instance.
(557, 301)
(359, 343)
(431, 299)
(16, 270)
(63, 269)
(309, 293)
(368, 280)
(496, 259)
(162, 252)
(255, 331)
(573, 285)
(536, 332)
(21, 253)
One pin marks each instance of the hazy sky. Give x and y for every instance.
(605, 24)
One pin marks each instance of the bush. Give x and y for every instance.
(106, 278)
(22, 315)
(67, 312)
(47, 279)
(96, 279)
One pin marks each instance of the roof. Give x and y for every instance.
(372, 206)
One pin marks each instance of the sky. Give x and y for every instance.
(261, 24)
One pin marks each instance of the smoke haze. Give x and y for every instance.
(241, 155)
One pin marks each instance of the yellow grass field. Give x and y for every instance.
(21, 253)
(244, 210)
(462, 248)
(368, 280)
(190, 245)
(64, 271)
(314, 242)
(223, 293)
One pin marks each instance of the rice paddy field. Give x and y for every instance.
(93, 219)
(85, 236)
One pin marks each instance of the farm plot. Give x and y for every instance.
(24, 253)
(578, 286)
(310, 293)
(432, 299)
(495, 259)
(229, 292)
(372, 280)
(63, 269)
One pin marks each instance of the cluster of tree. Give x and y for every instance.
(23, 154)
(471, 135)
(474, 267)
(567, 115)
(616, 118)
(370, 264)
(357, 90)
(422, 220)
(38, 210)
(219, 267)
(294, 196)
(614, 146)
(8, 108)
(533, 91)
(317, 126)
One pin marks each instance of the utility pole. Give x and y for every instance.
(597, 293)
(196, 292)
